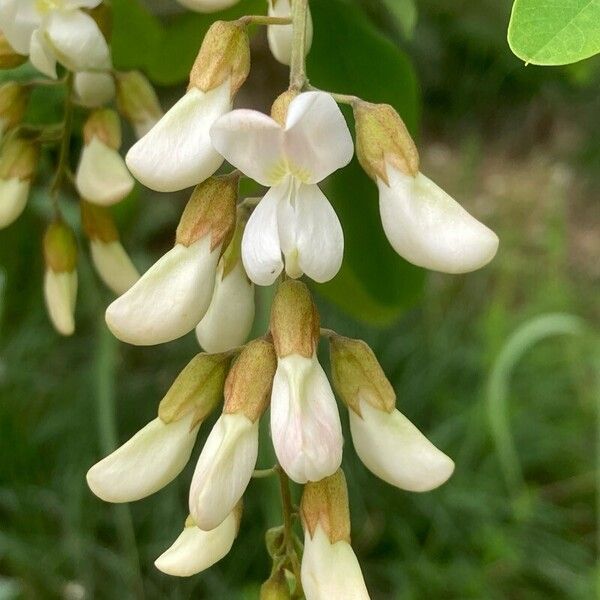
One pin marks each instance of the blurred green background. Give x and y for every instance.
(500, 368)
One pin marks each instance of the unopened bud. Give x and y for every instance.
(295, 324)
(279, 109)
(248, 385)
(275, 588)
(103, 124)
(225, 53)
(137, 101)
(325, 503)
(9, 59)
(98, 223)
(60, 248)
(18, 159)
(13, 103)
(210, 210)
(198, 388)
(356, 373)
(382, 136)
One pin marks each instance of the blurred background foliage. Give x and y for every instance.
(500, 367)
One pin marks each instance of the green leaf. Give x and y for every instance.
(349, 55)
(554, 32)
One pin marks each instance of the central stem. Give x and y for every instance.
(298, 62)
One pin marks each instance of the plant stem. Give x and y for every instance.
(298, 62)
(264, 20)
(339, 98)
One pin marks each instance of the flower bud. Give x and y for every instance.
(197, 390)
(108, 255)
(102, 177)
(224, 55)
(9, 59)
(279, 109)
(60, 279)
(281, 37)
(275, 588)
(93, 89)
(173, 296)
(207, 6)
(18, 161)
(146, 463)
(295, 324)
(137, 101)
(228, 458)
(196, 550)
(356, 373)
(13, 103)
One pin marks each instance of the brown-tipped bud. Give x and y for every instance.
(9, 59)
(137, 101)
(98, 223)
(225, 53)
(60, 248)
(382, 136)
(279, 109)
(18, 159)
(295, 325)
(275, 588)
(198, 388)
(211, 210)
(356, 374)
(106, 126)
(13, 103)
(248, 385)
(325, 503)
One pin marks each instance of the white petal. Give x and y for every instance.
(13, 199)
(177, 152)
(207, 6)
(228, 320)
(41, 54)
(310, 233)
(147, 462)
(305, 424)
(196, 550)
(170, 299)
(330, 571)
(317, 138)
(18, 20)
(252, 142)
(429, 228)
(224, 469)
(60, 292)
(94, 89)
(114, 265)
(102, 176)
(261, 252)
(77, 41)
(396, 451)
(81, 3)
(281, 36)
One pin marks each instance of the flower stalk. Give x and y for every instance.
(298, 63)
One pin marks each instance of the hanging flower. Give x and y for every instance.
(93, 89)
(55, 30)
(294, 218)
(177, 152)
(280, 37)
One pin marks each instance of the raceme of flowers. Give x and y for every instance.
(224, 246)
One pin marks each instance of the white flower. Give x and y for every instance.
(170, 299)
(294, 218)
(224, 469)
(207, 6)
(396, 451)
(330, 571)
(281, 36)
(13, 199)
(429, 228)
(93, 89)
(60, 293)
(177, 152)
(55, 30)
(228, 320)
(113, 265)
(102, 177)
(305, 424)
(196, 550)
(147, 462)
